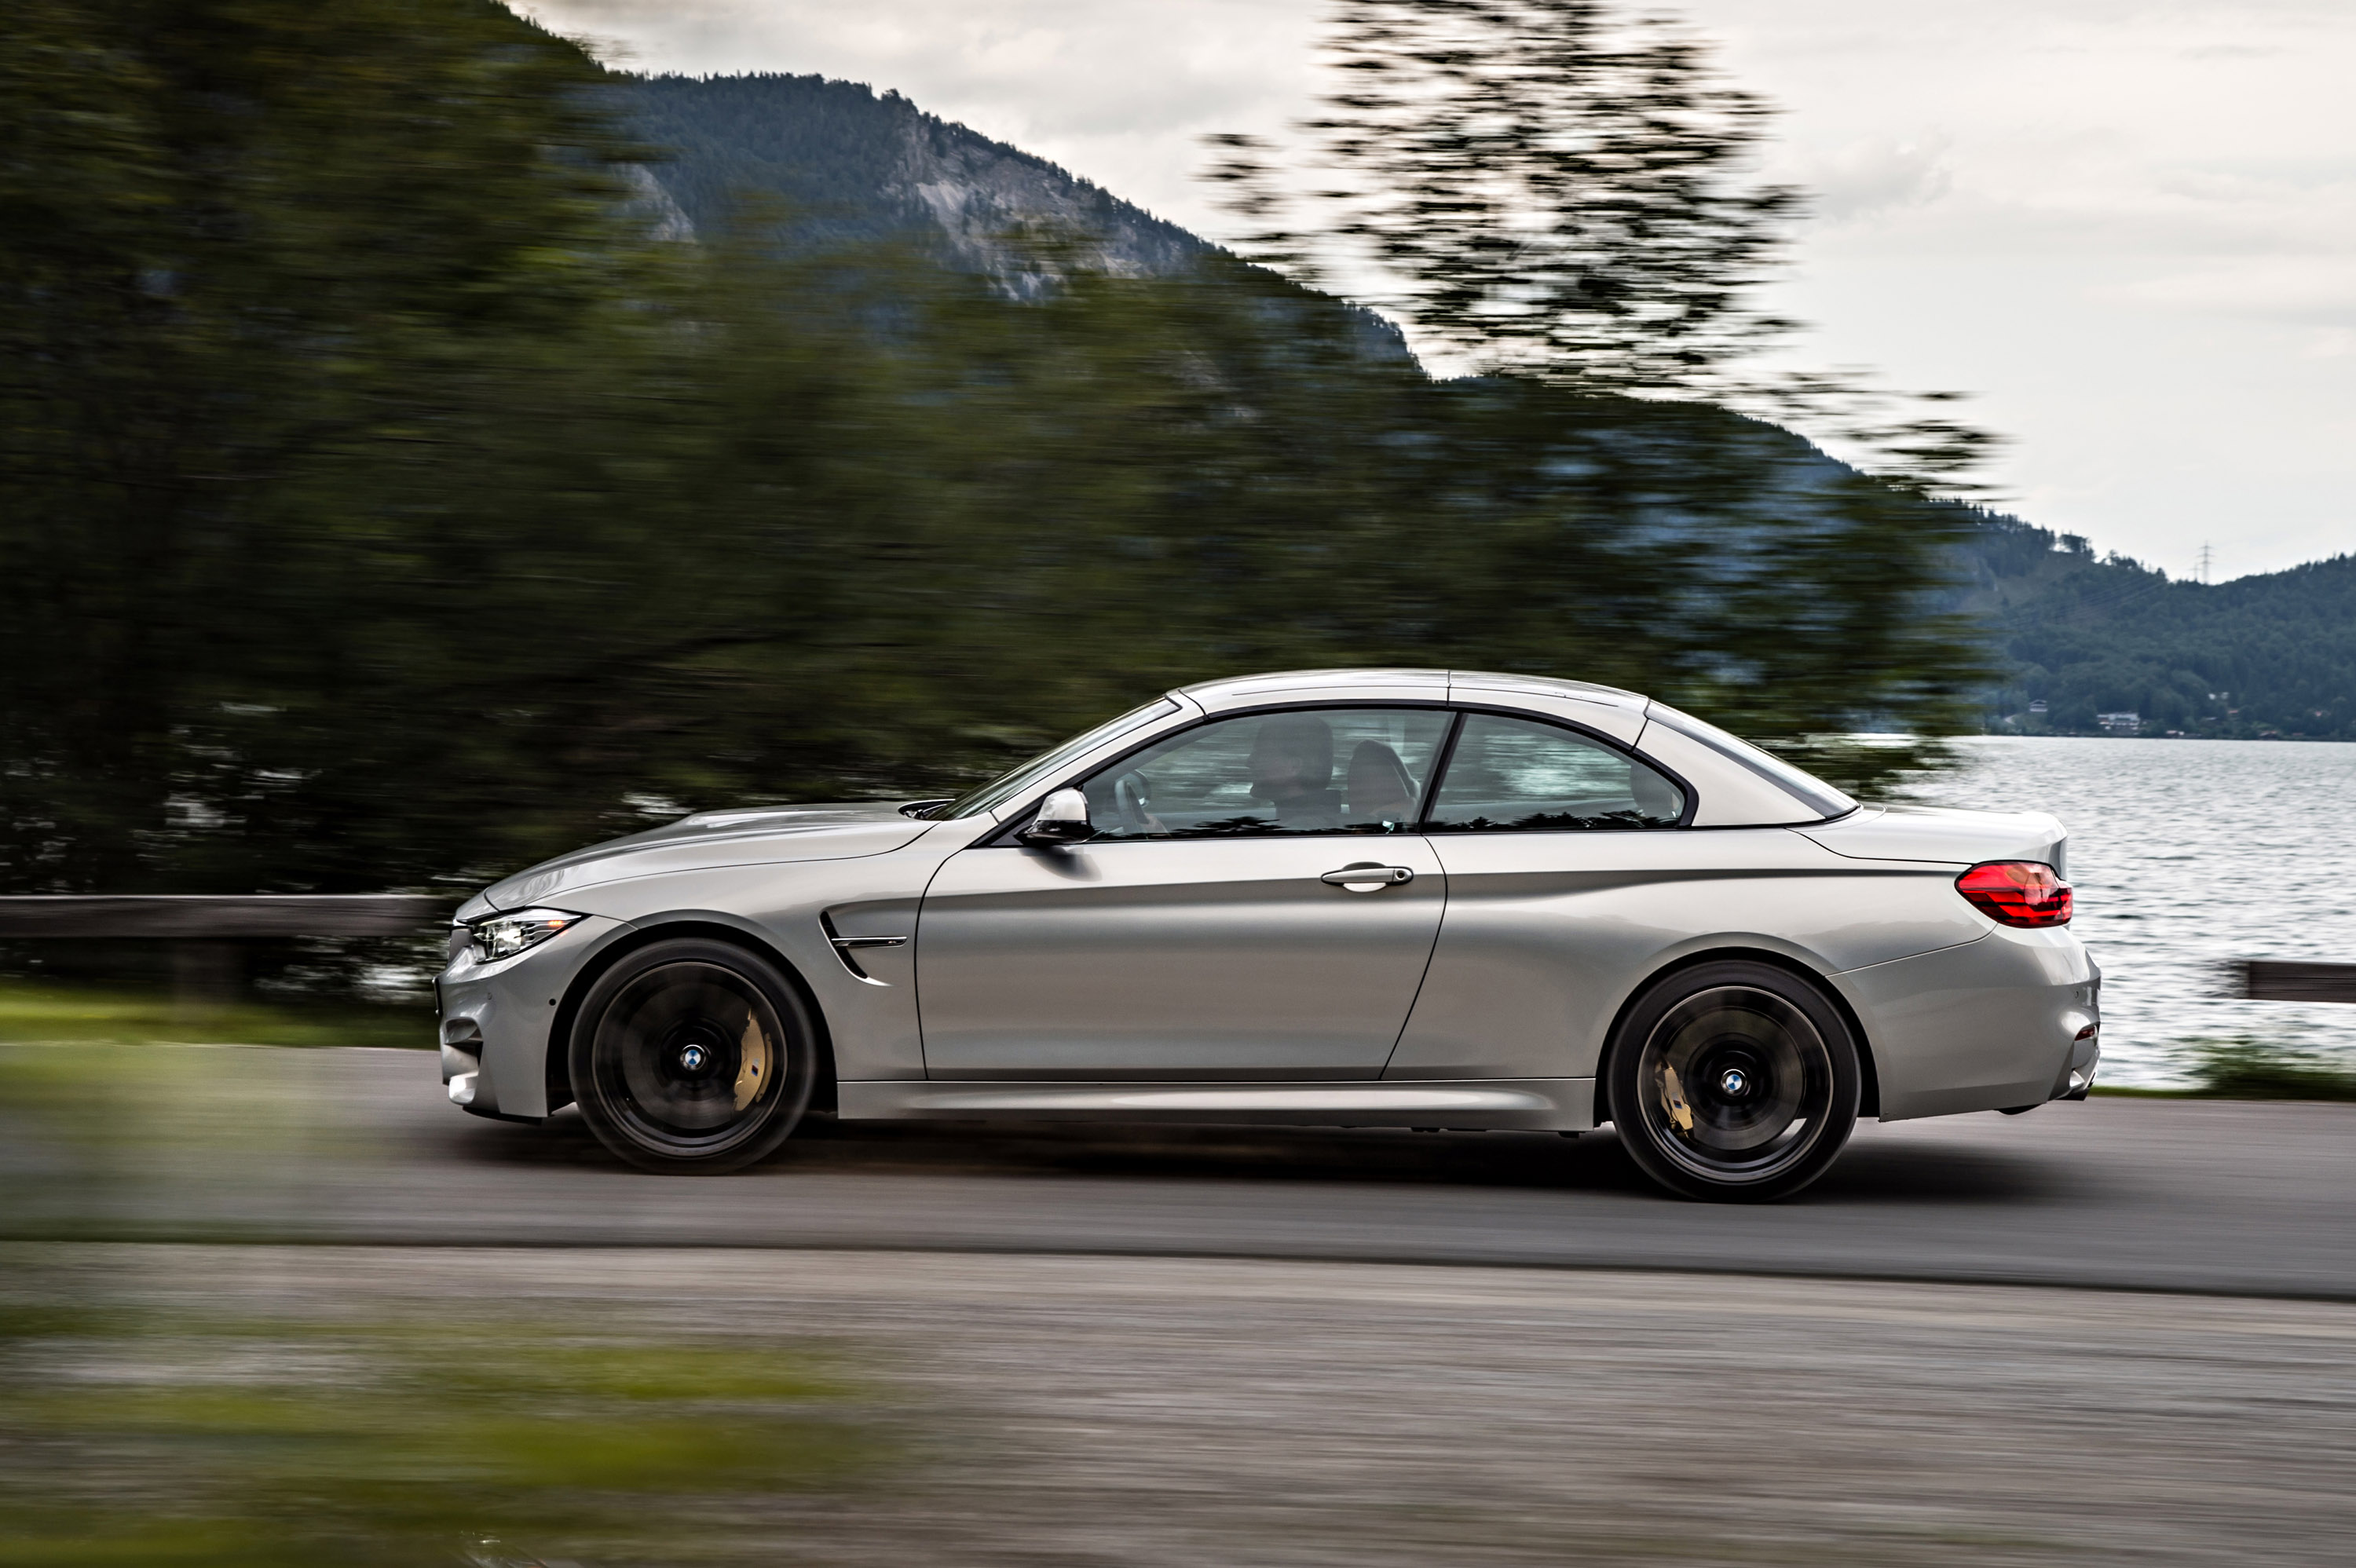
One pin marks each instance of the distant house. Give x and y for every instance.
(2037, 706)
(2119, 723)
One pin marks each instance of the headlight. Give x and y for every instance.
(501, 936)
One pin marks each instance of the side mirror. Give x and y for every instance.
(1063, 819)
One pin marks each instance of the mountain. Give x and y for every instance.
(2259, 658)
(812, 161)
(2082, 636)
(847, 165)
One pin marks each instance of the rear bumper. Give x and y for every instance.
(2077, 1080)
(1991, 1025)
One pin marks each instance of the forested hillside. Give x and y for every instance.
(2266, 656)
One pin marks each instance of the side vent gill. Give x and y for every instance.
(845, 946)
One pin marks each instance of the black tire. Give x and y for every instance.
(693, 1057)
(1734, 1080)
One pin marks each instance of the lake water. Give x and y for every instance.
(2185, 854)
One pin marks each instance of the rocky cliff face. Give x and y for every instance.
(819, 162)
(837, 161)
(651, 205)
(978, 191)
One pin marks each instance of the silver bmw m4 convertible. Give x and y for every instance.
(1367, 898)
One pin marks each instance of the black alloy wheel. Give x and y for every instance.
(1734, 1080)
(692, 1056)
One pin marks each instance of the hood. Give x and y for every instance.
(1953, 838)
(709, 839)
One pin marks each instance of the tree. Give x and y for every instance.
(1543, 186)
(242, 243)
(1558, 189)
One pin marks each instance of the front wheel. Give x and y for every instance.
(1734, 1080)
(692, 1056)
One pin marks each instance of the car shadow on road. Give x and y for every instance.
(1921, 1174)
(1867, 1172)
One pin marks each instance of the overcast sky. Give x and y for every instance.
(2129, 229)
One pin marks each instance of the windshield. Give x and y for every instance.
(1006, 786)
(1825, 800)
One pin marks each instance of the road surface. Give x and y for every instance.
(358, 1146)
(1197, 1349)
(1187, 1412)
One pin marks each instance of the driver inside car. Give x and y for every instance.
(1293, 770)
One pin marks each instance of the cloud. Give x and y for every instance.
(1867, 178)
(2291, 288)
(2332, 343)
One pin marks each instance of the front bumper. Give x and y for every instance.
(497, 1019)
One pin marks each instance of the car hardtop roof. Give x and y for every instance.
(1372, 683)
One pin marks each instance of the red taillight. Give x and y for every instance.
(2016, 893)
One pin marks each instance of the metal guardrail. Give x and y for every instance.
(204, 917)
(2296, 980)
(205, 930)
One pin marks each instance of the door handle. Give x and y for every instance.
(1367, 879)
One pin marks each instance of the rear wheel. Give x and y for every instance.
(692, 1056)
(1734, 1080)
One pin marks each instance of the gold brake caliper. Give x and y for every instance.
(1672, 1100)
(753, 1054)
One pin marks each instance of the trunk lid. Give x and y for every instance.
(1943, 836)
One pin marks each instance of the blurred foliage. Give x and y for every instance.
(2250, 1067)
(2245, 1067)
(1566, 190)
(381, 505)
(139, 1438)
(249, 250)
(1550, 186)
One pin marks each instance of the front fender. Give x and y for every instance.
(793, 911)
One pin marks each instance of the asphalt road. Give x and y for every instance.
(1186, 1413)
(359, 1146)
(1200, 1348)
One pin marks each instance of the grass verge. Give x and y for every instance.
(2245, 1067)
(44, 1012)
(143, 1437)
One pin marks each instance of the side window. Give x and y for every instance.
(1511, 775)
(1334, 770)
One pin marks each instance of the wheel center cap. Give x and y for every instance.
(1733, 1083)
(693, 1058)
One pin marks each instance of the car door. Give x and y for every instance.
(1563, 861)
(1210, 929)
